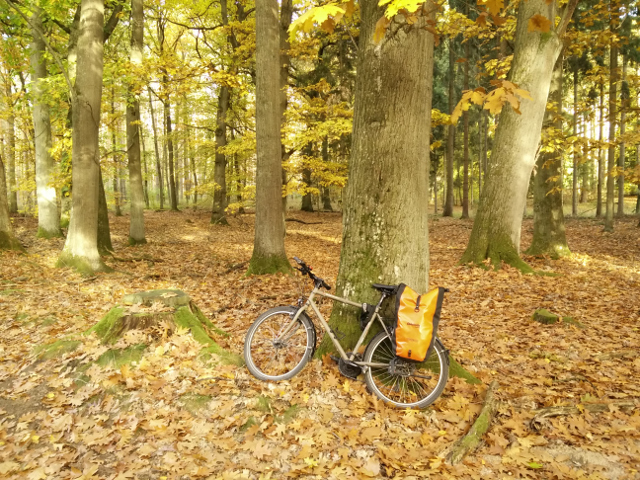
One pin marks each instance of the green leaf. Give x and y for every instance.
(534, 465)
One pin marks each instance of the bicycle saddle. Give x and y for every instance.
(388, 289)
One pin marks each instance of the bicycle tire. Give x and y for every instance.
(268, 357)
(418, 389)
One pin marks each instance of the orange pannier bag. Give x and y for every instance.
(417, 318)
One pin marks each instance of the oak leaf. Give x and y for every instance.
(539, 23)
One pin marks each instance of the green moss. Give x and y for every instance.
(64, 221)
(289, 414)
(9, 242)
(264, 404)
(80, 264)
(185, 318)
(572, 321)
(133, 242)
(202, 317)
(268, 264)
(248, 424)
(56, 349)
(42, 233)
(118, 357)
(544, 316)
(457, 370)
(106, 328)
(194, 402)
(499, 248)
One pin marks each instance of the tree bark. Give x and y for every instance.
(624, 101)
(385, 236)
(574, 177)
(326, 193)
(600, 159)
(12, 193)
(173, 194)
(136, 226)
(81, 247)
(218, 215)
(286, 14)
(48, 216)
(613, 92)
(451, 132)
(157, 149)
(105, 247)
(7, 240)
(465, 184)
(268, 248)
(496, 229)
(549, 236)
(114, 147)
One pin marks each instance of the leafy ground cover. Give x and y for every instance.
(173, 413)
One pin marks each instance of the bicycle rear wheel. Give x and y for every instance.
(404, 383)
(271, 352)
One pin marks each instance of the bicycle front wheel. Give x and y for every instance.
(274, 349)
(404, 383)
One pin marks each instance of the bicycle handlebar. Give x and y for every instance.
(306, 270)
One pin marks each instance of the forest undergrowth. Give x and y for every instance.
(171, 414)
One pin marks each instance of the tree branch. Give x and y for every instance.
(566, 17)
(53, 52)
(112, 23)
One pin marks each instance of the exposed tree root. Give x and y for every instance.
(538, 422)
(473, 437)
(301, 221)
(620, 354)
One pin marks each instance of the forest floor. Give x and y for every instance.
(159, 418)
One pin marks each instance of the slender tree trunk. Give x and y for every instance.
(81, 247)
(451, 132)
(465, 184)
(326, 193)
(307, 203)
(391, 127)
(574, 178)
(7, 240)
(600, 157)
(549, 236)
(613, 92)
(157, 149)
(144, 164)
(218, 214)
(136, 226)
(496, 229)
(116, 167)
(105, 247)
(173, 194)
(268, 248)
(624, 99)
(48, 216)
(12, 186)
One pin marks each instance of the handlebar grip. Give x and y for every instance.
(326, 285)
(298, 261)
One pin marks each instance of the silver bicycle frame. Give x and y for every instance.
(327, 328)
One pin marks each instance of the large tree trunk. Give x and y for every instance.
(268, 248)
(451, 132)
(7, 240)
(548, 217)
(157, 150)
(48, 216)
(385, 236)
(218, 214)
(496, 229)
(613, 92)
(81, 247)
(136, 227)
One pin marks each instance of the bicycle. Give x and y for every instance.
(283, 339)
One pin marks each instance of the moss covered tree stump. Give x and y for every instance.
(544, 316)
(157, 312)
